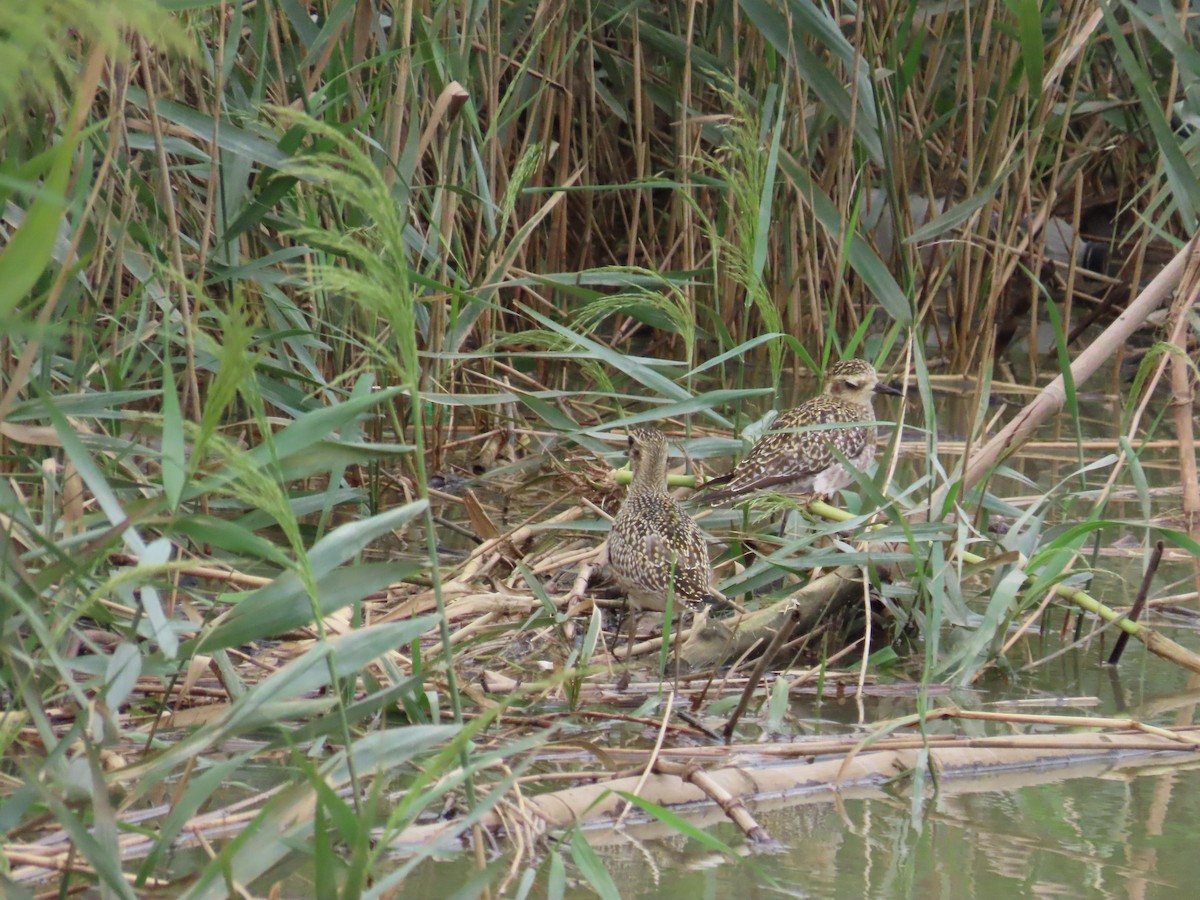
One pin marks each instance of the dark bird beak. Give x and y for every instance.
(888, 387)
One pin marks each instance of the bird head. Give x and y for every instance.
(854, 380)
(648, 457)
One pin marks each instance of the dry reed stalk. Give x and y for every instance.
(562, 557)
(1183, 403)
(574, 599)
(424, 602)
(690, 731)
(956, 448)
(488, 554)
(732, 806)
(1183, 392)
(206, 572)
(1184, 738)
(1052, 397)
(668, 708)
(960, 767)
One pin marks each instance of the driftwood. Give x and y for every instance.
(962, 765)
(721, 641)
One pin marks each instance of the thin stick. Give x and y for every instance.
(1138, 603)
(778, 641)
(730, 804)
(866, 654)
(662, 733)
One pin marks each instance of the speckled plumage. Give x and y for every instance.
(791, 460)
(654, 547)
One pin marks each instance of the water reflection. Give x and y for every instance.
(1107, 834)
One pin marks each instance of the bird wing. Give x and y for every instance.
(683, 556)
(788, 454)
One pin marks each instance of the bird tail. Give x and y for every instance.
(713, 497)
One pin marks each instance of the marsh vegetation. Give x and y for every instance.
(324, 322)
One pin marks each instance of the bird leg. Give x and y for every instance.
(618, 626)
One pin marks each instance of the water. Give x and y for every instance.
(1099, 830)
(1102, 837)
(1101, 834)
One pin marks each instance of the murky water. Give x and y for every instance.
(1104, 836)
(1085, 831)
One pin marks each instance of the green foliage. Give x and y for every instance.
(256, 278)
(45, 41)
(748, 170)
(666, 310)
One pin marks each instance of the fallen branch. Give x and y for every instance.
(732, 806)
(1051, 399)
(960, 769)
(717, 643)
